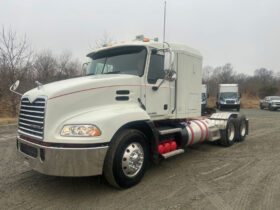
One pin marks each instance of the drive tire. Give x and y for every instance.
(241, 128)
(228, 135)
(113, 171)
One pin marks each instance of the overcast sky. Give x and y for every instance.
(245, 33)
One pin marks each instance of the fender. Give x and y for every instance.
(109, 119)
(220, 119)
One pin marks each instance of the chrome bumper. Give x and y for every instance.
(59, 161)
(275, 106)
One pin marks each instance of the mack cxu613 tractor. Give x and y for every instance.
(137, 103)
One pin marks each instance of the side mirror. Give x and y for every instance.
(169, 60)
(14, 87)
(84, 68)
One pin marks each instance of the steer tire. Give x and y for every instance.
(241, 128)
(228, 135)
(123, 145)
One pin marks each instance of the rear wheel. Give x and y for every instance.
(127, 159)
(228, 135)
(241, 128)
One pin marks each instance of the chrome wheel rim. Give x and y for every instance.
(243, 128)
(133, 159)
(231, 132)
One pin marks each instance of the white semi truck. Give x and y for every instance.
(138, 102)
(228, 97)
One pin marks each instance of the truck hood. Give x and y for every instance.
(80, 84)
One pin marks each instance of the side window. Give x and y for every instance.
(156, 70)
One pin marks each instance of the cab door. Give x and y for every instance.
(157, 101)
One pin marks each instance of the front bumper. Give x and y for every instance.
(275, 106)
(230, 106)
(59, 161)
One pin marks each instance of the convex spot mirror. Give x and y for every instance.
(14, 86)
(84, 68)
(170, 75)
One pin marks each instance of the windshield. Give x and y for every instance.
(121, 60)
(229, 95)
(275, 98)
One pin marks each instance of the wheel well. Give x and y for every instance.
(146, 127)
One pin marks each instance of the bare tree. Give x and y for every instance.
(45, 66)
(103, 41)
(67, 67)
(206, 73)
(15, 63)
(264, 75)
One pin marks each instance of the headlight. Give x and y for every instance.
(80, 130)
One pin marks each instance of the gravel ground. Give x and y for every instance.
(207, 176)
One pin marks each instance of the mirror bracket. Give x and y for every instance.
(14, 87)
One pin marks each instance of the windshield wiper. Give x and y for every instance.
(113, 72)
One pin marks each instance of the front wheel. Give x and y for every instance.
(261, 106)
(127, 159)
(270, 107)
(238, 108)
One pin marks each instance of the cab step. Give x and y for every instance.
(173, 153)
(169, 131)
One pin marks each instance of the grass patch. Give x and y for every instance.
(8, 120)
(247, 102)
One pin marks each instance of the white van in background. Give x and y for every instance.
(228, 97)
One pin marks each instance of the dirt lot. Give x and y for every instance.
(244, 176)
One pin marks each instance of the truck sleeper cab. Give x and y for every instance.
(138, 102)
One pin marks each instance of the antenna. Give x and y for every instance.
(164, 23)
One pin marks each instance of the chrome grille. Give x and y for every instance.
(230, 101)
(31, 117)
